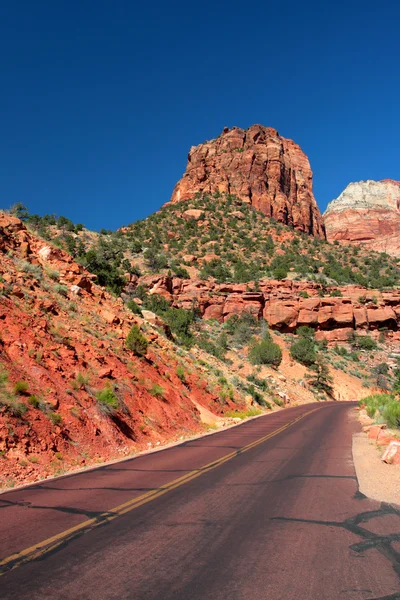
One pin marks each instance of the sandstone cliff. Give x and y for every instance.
(261, 168)
(368, 213)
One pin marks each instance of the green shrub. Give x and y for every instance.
(12, 406)
(364, 342)
(375, 402)
(381, 369)
(391, 413)
(303, 351)
(54, 417)
(180, 371)
(305, 332)
(280, 272)
(136, 342)
(321, 378)
(266, 353)
(107, 401)
(61, 289)
(34, 401)
(134, 307)
(21, 387)
(52, 273)
(30, 269)
(181, 272)
(157, 391)
(243, 414)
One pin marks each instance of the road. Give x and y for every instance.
(267, 510)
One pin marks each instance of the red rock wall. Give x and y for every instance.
(282, 305)
(260, 167)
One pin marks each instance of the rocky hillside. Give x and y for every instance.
(86, 375)
(260, 167)
(227, 240)
(82, 378)
(367, 213)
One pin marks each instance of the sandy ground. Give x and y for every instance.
(376, 479)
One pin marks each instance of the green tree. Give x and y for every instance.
(20, 211)
(280, 272)
(321, 378)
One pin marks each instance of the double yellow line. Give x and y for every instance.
(50, 544)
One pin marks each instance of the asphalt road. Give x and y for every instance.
(267, 510)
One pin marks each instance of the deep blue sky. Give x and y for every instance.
(101, 100)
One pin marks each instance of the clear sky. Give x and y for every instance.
(101, 99)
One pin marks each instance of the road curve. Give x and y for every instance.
(267, 510)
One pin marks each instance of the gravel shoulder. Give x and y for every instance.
(376, 479)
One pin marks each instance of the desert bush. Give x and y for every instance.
(34, 401)
(381, 369)
(136, 342)
(157, 391)
(265, 353)
(12, 406)
(61, 289)
(375, 402)
(21, 387)
(391, 413)
(180, 371)
(303, 351)
(54, 417)
(305, 332)
(134, 307)
(107, 401)
(362, 342)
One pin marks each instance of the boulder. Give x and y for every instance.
(282, 315)
(391, 456)
(193, 213)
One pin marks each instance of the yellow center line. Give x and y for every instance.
(46, 546)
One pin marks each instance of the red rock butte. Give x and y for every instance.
(259, 167)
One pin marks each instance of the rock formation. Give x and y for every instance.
(286, 305)
(367, 212)
(261, 168)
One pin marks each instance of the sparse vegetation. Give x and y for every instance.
(107, 401)
(21, 387)
(136, 342)
(385, 406)
(157, 391)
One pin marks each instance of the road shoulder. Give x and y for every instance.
(377, 480)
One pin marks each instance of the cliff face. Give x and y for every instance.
(367, 212)
(261, 168)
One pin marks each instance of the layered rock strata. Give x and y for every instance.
(368, 213)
